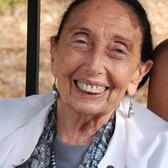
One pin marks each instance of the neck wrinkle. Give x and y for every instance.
(71, 125)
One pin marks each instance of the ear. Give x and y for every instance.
(53, 53)
(141, 71)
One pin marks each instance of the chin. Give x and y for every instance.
(89, 108)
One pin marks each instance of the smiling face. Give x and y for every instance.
(97, 59)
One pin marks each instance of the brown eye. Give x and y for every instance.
(118, 51)
(81, 41)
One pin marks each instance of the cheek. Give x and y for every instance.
(68, 62)
(119, 75)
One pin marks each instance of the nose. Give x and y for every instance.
(94, 64)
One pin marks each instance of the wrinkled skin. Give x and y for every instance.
(100, 45)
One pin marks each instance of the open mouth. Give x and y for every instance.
(90, 88)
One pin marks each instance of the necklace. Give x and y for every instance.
(53, 162)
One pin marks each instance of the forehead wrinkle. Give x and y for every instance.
(85, 15)
(105, 30)
(94, 5)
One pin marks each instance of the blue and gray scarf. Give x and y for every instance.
(41, 156)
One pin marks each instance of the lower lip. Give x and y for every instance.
(82, 93)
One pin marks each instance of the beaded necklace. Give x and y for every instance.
(53, 162)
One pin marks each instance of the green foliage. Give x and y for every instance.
(9, 5)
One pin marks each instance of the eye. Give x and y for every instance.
(117, 50)
(81, 41)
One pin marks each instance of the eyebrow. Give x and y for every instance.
(79, 28)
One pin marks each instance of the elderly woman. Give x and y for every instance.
(99, 58)
(158, 90)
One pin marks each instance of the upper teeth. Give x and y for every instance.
(90, 88)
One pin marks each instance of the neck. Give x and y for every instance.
(71, 125)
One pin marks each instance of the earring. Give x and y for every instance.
(130, 111)
(54, 89)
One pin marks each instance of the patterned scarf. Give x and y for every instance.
(41, 156)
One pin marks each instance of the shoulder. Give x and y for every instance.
(158, 90)
(15, 107)
(21, 123)
(144, 120)
(148, 137)
(160, 55)
(148, 120)
(151, 129)
(16, 112)
(141, 140)
(30, 101)
(160, 66)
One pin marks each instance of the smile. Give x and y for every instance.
(90, 88)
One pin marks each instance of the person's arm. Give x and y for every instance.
(158, 84)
